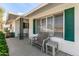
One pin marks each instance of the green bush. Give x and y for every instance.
(2, 35)
(4, 51)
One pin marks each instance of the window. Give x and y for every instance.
(43, 23)
(50, 25)
(53, 25)
(58, 25)
(36, 26)
(25, 25)
(37, 22)
(40, 25)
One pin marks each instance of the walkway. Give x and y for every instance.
(23, 48)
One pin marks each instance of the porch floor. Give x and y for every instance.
(23, 48)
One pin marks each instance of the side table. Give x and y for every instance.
(53, 45)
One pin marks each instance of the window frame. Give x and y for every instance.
(63, 23)
(52, 15)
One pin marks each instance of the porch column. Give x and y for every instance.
(21, 29)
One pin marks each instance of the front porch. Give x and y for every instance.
(24, 48)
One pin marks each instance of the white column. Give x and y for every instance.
(30, 28)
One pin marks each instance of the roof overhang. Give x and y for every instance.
(11, 17)
(35, 9)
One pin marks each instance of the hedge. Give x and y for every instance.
(4, 51)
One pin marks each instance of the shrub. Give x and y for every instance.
(2, 35)
(4, 51)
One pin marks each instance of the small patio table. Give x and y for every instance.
(53, 45)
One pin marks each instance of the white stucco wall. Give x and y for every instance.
(66, 46)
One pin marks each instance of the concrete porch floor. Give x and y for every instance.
(23, 48)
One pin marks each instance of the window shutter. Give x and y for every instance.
(34, 26)
(69, 24)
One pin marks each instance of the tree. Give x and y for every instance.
(1, 18)
(1, 12)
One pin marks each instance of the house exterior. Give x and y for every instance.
(11, 21)
(61, 20)
(14, 24)
(21, 27)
